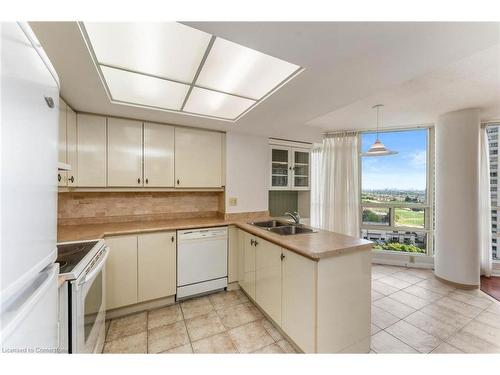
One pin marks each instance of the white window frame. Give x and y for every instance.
(496, 234)
(428, 206)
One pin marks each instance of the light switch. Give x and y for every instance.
(233, 201)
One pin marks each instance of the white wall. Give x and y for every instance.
(457, 197)
(247, 172)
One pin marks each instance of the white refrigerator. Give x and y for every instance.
(29, 126)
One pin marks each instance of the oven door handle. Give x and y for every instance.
(98, 267)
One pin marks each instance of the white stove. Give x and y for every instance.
(83, 294)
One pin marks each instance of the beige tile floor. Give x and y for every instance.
(412, 312)
(225, 322)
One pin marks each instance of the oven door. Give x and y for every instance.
(89, 308)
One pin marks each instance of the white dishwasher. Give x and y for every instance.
(201, 261)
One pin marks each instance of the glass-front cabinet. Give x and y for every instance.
(290, 167)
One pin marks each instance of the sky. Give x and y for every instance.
(405, 171)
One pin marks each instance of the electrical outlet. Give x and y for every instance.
(233, 201)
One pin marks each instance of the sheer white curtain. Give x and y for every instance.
(485, 206)
(335, 184)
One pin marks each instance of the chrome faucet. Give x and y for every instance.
(294, 215)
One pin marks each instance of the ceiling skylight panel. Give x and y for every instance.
(216, 104)
(239, 70)
(166, 49)
(144, 90)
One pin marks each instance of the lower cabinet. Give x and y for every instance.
(247, 265)
(283, 284)
(298, 302)
(156, 258)
(121, 272)
(268, 278)
(140, 268)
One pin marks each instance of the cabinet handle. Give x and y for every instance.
(172, 238)
(138, 180)
(251, 242)
(59, 177)
(49, 101)
(282, 257)
(147, 181)
(178, 182)
(255, 243)
(72, 179)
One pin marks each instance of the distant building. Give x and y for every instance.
(492, 132)
(417, 239)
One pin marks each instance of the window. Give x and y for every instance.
(492, 131)
(395, 196)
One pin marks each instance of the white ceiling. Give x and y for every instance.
(418, 70)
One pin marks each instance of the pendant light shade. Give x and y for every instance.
(378, 148)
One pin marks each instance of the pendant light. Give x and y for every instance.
(378, 148)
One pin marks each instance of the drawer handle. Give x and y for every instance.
(138, 180)
(172, 238)
(147, 181)
(178, 182)
(282, 257)
(72, 179)
(59, 177)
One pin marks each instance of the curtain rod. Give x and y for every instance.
(340, 133)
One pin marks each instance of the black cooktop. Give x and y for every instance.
(69, 255)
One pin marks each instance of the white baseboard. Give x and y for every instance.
(403, 260)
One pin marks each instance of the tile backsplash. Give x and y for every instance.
(104, 207)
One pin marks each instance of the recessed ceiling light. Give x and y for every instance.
(217, 104)
(166, 49)
(239, 70)
(177, 68)
(135, 88)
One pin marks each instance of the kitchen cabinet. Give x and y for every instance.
(298, 299)
(232, 254)
(156, 254)
(268, 278)
(124, 153)
(71, 153)
(140, 268)
(290, 167)
(91, 150)
(62, 177)
(247, 267)
(158, 155)
(198, 158)
(121, 272)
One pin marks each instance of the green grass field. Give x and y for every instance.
(405, 217)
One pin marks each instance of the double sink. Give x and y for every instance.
(283, 228)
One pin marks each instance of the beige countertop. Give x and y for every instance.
(314, 246)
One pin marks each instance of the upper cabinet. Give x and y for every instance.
(158, 155)
(290, 166)
(198, 158)
(124, 153)
(71, 155)
(118, 153)
(62, 157)
(91, 150)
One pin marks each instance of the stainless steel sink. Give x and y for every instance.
(270, 223)
(291, 229)
(283, 228)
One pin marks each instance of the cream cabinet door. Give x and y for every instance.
(62, 176)
(121, 272)
(298, 318)
(198, 158)
(124, 153)
(71, 146)
(232, 254)
(158, 155)
(268, 278)
(91, 150)
(156, 265)
(247, 281)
